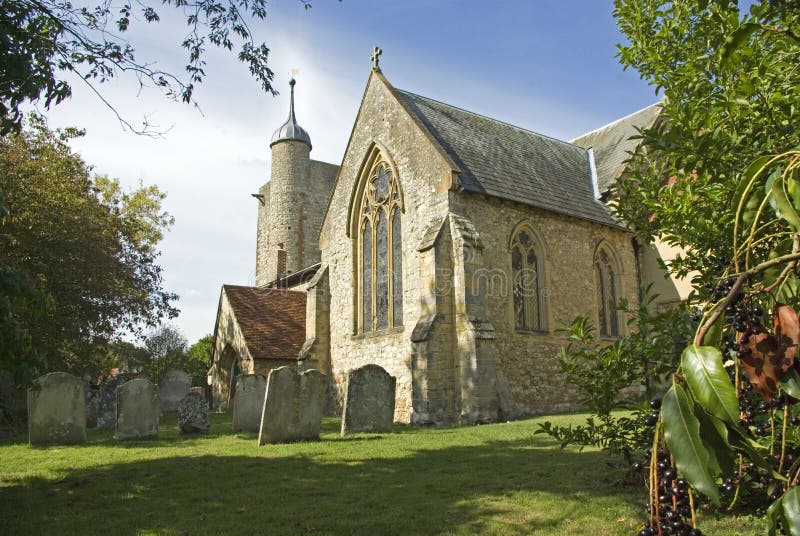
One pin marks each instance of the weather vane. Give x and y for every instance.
(376, 57)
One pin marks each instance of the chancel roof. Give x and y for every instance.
(501, 160)
(272, 321)
(613, 143)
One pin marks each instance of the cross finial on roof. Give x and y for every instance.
(376, 58)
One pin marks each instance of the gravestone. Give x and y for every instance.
(107, 401)
(172, 387)
(293, 405)
(137, 410)
(248, 402)
(56, 412)
(368, 400)
(193, 412)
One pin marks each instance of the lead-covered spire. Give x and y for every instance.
(290, 130)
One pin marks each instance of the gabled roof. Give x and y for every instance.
(501, 160)
(612, 144)
(272, 321)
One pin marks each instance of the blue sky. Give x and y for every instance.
(546, 65)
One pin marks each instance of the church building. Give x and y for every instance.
(448, 248)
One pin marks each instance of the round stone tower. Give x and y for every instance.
(287, 229)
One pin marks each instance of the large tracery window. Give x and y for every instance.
(607, 275)
(526, 266)
(380, 258)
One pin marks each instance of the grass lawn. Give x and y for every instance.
(493, 479)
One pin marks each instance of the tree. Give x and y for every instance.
(719, 177)
(88, 245)
(43, 39)
(199, 358)
(20, 304)
(166, 348)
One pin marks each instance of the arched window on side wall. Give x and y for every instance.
(379, 248)
(527, 268)
(607, 274)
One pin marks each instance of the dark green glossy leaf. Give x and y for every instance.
(785, 208)
(709, 382)
(790, 383)
(791, 511)
(682, 432)
(714, 434)
(773, 515)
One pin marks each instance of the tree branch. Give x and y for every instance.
(741, 278)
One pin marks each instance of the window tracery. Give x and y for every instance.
(380, 277)
(607, 275)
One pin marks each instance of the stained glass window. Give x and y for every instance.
(381, 276)
(397, 268)
(606, 294)
(526, 282)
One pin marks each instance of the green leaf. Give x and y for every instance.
(773, 514)
(709, 382)
(736, 39)
(785, 208)
(714, 434)
(790, 383)
(791, 511)
(745, 183)
(682, 432)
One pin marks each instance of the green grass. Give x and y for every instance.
(494, 479)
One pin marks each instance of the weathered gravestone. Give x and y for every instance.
(107, 401)
(56, 412)
(137, 410)
(193, 412)
(172, 387)
(292, 406)
(368, 400)
(248, 402)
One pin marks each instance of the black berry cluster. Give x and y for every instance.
(672, 515)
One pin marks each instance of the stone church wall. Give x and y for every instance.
(421, 170)
(529, 359)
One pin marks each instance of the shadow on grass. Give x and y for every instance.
(442, 490)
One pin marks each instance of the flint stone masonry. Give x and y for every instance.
(368, 401)
(172, 388)
(292, 406)
(137, 410)
(193, 412)
(56, 412)
(107, 401)
(248, 402)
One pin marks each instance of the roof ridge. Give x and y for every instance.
(616, 121)
(539, 134)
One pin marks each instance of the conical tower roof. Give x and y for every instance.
(290, 130)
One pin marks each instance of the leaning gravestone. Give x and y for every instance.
(248, 401)
(368, 400)
(56, 412)
(193, 412)
(107, 401)
(137, 410)
(292, 406)
(172, 388)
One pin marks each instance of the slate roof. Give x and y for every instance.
(273, 321)
(612, 144)
(501, 160)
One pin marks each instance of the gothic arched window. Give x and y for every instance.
(527, 264)
(379, 250)
(607, 275)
